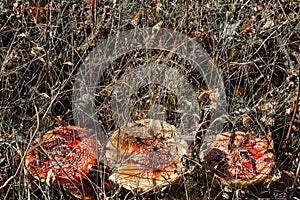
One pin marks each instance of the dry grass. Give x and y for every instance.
(254, 45)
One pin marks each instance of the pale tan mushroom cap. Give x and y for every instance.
(247, 160)
(145, 156)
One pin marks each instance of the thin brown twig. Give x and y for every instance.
(295, 180)
(295, 109)
(7, 193)
(27, 148)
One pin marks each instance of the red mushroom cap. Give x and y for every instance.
(144, 155)
(242, 158)
(63, 155)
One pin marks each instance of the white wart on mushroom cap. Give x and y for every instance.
(242, 158)
(144, 155)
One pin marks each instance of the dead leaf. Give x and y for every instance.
(1, 160)
(290, 109)
(39, 14)
(267, 121)
(269, 23)
(265, 107)
(23, 35)
(246, 120)
(239, 91)
(270, 180)
(109, 89)
(158, 25)
(59, 120)
(68, 63)
(246, 28)
(17, 7)
(135, 18)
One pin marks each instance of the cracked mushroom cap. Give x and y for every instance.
(242, 158)
(62, 155)
(145, 156)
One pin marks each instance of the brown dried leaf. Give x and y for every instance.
(246, 27)
(265, 107)
(39, 14)
(246, 120)
(2, 160)
(269, 23)
(290, 109)
(271, 180)
(267, 121)
(239, 91)
(135, 18)
(17, 8)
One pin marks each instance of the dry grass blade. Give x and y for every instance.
(253, 44)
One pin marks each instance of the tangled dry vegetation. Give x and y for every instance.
(254, 44)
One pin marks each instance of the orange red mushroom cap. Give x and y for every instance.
(242, 158)
(62, 155)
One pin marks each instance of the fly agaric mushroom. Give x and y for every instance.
(62, 156)
(242, 159)
(145, 156)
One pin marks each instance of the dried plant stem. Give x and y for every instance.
(295, 180)
(295, 110)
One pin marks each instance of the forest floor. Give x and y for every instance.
(254, 45)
